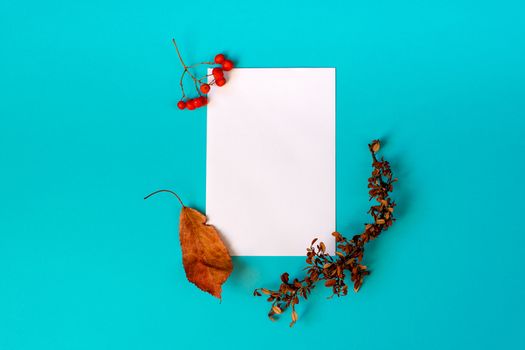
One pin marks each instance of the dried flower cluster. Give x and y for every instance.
(349, 252)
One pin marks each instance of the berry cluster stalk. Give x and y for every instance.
(186, 70)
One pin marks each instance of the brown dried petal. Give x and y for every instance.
(284, 277)
(276, 309)
(376, 145)
(330, 283)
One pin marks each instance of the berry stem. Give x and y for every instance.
(178, 53)
(200, 64)
(196, 81)
(182, 84)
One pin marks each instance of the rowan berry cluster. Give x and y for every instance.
(202, 86)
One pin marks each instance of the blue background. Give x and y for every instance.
(89, 126)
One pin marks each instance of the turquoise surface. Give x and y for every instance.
(89, 126)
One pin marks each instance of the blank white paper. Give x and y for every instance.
(270, 161)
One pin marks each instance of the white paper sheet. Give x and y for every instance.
(270, 176)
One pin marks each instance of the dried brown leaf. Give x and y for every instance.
(204, 255)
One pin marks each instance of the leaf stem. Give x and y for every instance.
(169, 191)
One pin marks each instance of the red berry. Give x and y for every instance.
(205, 88)
(220, 58)
(190, 105)
(227, 65)
(203, 100)
(220, 82)
(217, 73)
(197, 102)
(181, 104)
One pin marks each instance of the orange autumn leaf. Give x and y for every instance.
(205, 257)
